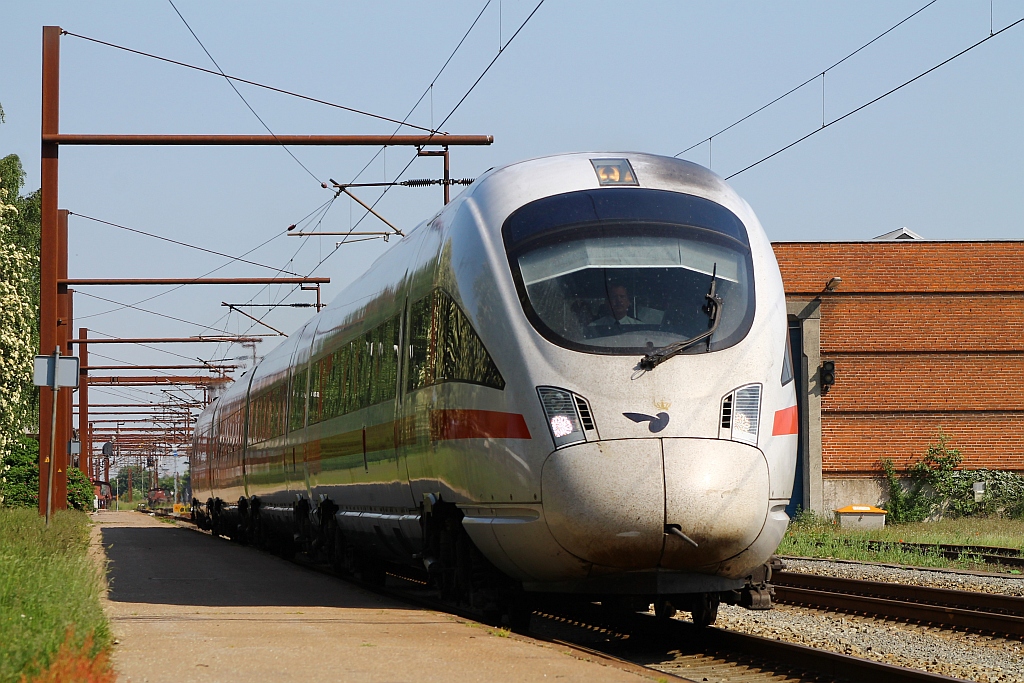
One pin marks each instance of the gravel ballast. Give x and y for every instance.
(962, 655)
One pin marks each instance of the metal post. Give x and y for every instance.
(447, 178)
(446, 184)
(67, 406)
(84, 429)
(54, 391)
(48, 254)
(62, 459)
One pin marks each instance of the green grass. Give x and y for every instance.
(815, 537)
(48, 586)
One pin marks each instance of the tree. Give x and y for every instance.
(20, 485)
(18, 313)
(139, 479)
(20, 479)
(25, 227)
(80, 490)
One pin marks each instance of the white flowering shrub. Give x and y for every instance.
(17, 319)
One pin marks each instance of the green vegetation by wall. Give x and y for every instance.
(935, 487)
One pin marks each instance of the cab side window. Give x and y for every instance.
(444, 347)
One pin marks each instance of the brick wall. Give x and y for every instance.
(902, 266)
(925, 336)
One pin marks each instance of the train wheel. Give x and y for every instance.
(257, 532)
(520, 610)
(663, 609)
(705, 609)
(373, 572)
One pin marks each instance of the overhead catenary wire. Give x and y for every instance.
(127, 364)
(156, 313)
(252, 83)
(490, 64)
(820, 74)
(183, 244)
(241, 96)
(275, 236)
(324, 208)
(501, 51)
(146, 346)
(429, 89)
(876, 99)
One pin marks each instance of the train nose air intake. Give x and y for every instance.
(642, 503)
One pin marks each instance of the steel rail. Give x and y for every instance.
(765, 658)
(1000, 614)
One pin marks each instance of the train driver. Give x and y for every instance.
(619, 302)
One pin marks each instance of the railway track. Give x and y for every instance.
(1001, 615)
(994, 555)
(661, 649)
(1007, 557)
(677, 649)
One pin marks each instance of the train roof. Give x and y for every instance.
(496, 193)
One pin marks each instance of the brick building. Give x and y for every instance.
(925, 335)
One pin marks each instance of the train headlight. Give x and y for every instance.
(569, 417)
(740, 414)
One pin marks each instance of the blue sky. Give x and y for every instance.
(941, 156)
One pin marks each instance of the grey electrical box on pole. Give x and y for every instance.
(54, 371)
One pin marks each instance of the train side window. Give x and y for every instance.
(350, 378)
(297, 408)
(444, 347)
(419, 341)
(387, 341)
(356, 375)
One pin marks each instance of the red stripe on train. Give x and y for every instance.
(787, 421)
(476, 424)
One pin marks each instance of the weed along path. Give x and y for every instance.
(184, 606)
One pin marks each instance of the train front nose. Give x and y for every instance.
(608, 502)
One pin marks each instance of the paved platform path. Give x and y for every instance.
(188, 607)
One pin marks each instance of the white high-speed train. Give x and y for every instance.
(575, 378)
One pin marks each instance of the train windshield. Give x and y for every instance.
(626, 270)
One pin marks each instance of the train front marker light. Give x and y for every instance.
(614, 172)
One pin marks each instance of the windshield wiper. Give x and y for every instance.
(713, 309)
